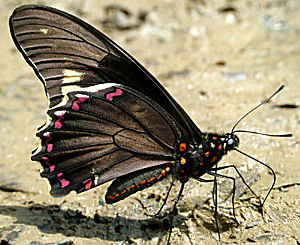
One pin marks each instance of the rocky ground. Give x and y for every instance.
(218, 59)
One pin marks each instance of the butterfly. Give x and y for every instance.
(108, 117)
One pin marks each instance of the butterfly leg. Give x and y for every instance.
(166, 198)
(238, 172)
(215, 199)
(233, 190)
(173, 211)
(244, 181)
(214, 192)
(206, 181)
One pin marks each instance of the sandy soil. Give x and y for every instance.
(218, 59)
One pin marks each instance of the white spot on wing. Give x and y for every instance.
(81, 96)
(46, 134)
(67, 89)
(44, 31)
(71, 76)
(60, 113)
(96, 180)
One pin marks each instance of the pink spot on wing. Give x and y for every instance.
(110, 96)
(81, 99)
(63, 182)
(87, 183)
(58, 124)
(47, 161)
(60, 116)
(49, 146)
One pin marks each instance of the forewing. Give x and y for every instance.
(67, 54)
(92, 137)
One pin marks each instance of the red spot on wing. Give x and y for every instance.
(47, 161)
(81, 99)
(110, 96)
(62, 181)
(48, 145)
(87, 183)
(214, 159)
(183, 177)
(57, 123)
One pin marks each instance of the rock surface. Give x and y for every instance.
(218, 59)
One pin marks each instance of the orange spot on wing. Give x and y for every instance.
(131, 186)
(111, 197)
(142, 182)
(214, 159)
(153, 178)
(201, 163)
(206, 154)
(220, 147)
(182, 161)
(123, 191)
(182, 171)
(117, 195)
(183, 177)
(168, 169)
(214, 138)
(163, 172)
(182, 147)
(88, 185)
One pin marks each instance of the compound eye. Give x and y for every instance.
(230, 142)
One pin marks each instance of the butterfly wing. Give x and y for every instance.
(67, 53)
(101, 133)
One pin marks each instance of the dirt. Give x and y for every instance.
(218, 59)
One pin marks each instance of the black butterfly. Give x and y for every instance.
(108, 117)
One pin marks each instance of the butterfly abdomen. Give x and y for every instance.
(137, 181)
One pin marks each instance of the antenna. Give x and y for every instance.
(271, 135)
(265, 101)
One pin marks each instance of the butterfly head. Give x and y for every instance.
(231, 141)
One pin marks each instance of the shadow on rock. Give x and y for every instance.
(52, 219)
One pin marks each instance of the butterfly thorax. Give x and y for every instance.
(194, 160)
